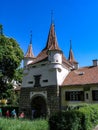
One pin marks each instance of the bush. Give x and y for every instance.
(90, 116)
(84, 118)
(68, 120)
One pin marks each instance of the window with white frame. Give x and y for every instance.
(74, 95)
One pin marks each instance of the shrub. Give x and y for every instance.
(90, 116)
(84, 118)
(66, 120)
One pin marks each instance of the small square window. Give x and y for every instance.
(46, 80)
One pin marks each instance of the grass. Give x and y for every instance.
(16, 124)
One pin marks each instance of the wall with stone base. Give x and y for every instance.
(52, 99)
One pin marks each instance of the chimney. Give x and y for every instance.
(95, 62)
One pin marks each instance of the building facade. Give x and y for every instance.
(51, 82)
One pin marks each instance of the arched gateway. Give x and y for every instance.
(38, 106)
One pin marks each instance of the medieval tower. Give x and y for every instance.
(43, 76)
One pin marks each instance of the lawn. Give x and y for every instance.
(16, 124)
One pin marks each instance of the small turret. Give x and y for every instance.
(55, 56)
(54, 53)
(71, 58)
(29, 56)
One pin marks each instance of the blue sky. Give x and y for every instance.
(74, 19)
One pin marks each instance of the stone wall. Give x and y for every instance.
(52, 99)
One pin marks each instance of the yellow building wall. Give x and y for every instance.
(86, 88)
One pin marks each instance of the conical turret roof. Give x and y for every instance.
(52, 43)
(71, 58)
(29, 53)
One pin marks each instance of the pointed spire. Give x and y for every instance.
(52, 39)
(31, 37)
(70, 45)
(29, 51)
(71, 56)
(52, 17)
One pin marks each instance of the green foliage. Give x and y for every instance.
(15, 124)
(1, 29)
(90, 116)
(18, 75)
(76, 106)
(12, 97)
(66, 120)
(84, 118)
(11, 56)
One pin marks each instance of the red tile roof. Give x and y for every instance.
(52, 44)
(41, 57)
(82, 76)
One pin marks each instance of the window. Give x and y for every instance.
(86, 95)
(30, 82)
(74, 95)
(42, 64)
(37, 80)
(33, 66)
(95, 95)
(46, 80)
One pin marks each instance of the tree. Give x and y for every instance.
(1, 30)
(18, 75)
(11, 56)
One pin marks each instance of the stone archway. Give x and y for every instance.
(38, 106)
